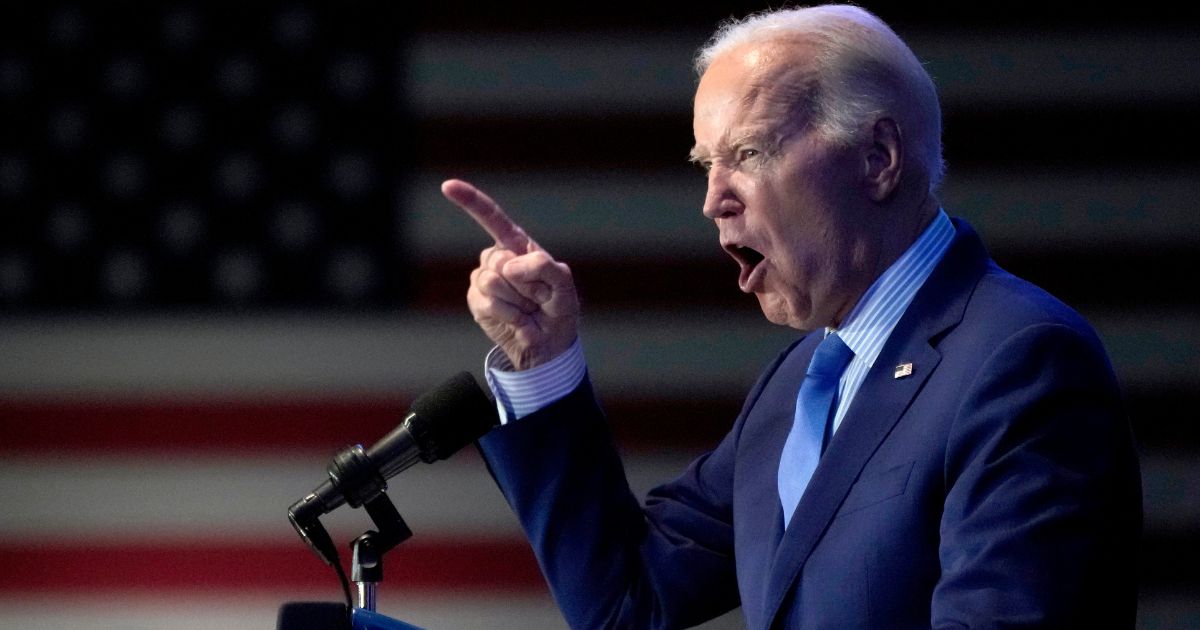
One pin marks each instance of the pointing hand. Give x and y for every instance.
(522, 298)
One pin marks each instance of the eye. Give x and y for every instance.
(746, 154)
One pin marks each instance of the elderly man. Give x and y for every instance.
(947, 447)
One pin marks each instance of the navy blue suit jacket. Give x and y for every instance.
(995, 486)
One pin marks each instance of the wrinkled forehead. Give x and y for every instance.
(761, 85)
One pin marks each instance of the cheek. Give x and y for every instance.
(748, 190)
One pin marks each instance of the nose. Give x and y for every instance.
(721, 201)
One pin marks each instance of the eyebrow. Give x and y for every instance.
(757, 133)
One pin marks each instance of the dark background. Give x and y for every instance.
(219, 159)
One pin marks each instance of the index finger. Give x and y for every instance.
(488, 214)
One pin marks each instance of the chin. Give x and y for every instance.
(780, 312)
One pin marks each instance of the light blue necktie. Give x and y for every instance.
(813, 406)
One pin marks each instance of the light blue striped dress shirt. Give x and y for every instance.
(879, 310)
(865, 330)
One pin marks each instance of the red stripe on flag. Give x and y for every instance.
(191, 425)
(204, 426)
(441, 566)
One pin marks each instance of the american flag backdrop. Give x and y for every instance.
(224, 256)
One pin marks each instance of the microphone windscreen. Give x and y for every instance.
(452, 415)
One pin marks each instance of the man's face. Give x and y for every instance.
(783, 198)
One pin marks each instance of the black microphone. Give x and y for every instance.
(439, 423)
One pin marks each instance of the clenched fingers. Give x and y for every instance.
(543, 280)
(492, 285)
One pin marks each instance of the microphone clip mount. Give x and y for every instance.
(367, 564)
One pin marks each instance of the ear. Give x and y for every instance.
(883, 162)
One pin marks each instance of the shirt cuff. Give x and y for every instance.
(520, 393)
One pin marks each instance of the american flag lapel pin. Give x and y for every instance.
(902, 370)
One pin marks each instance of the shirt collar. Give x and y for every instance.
(879, 310)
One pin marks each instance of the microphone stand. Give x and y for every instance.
(442, 421)
(366, 567)
(366, 570)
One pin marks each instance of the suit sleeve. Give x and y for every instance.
(1042, 513)
(610, 561)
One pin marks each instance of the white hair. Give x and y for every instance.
(863, 70)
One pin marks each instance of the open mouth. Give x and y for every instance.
(748, 256)
(747, 259)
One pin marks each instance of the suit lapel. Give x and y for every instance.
(877, 407)
(863, 429)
